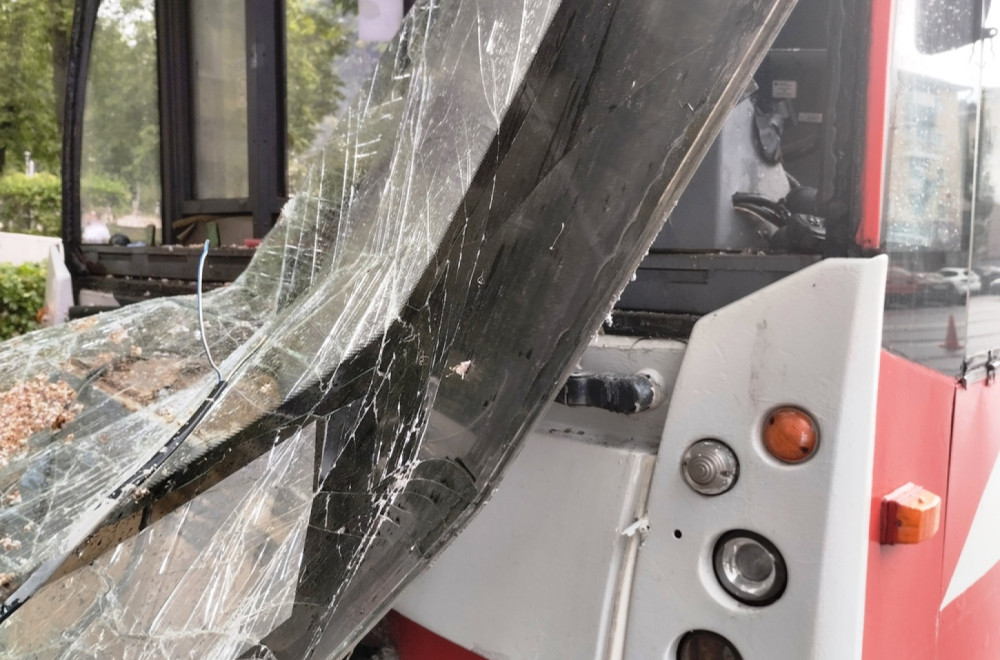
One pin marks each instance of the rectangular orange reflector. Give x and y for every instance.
(910, 514)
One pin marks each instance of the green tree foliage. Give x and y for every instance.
(106, 192)
(34, 46)
(317, 35)
(30, 205)
(121, 137)
(325, 69)
(22, 294)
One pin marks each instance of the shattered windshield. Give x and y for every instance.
(383, 354)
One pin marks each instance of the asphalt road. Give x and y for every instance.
(920, 334)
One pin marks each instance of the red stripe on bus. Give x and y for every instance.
(414, 642)
(870, 228)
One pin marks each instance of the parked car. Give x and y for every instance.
(901, 286)
(934, 289)
(906, 288)
(962, 280)
(988, 275)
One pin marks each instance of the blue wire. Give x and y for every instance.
(201, 316)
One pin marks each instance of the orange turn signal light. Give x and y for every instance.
(790, 435)
(910, 514)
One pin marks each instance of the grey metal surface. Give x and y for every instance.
(701, 283)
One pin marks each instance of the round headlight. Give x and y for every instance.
(706, 645)
(749, 568)
(710, 467)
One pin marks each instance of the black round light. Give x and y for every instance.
(749, 568)
(706, 645)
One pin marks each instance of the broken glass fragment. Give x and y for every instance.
(454, 247)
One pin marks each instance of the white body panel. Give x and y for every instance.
(25, 248)
(811, 340)
(58, 287)
(538, 572)
(538, 582)
(981, 550)
(545, 570)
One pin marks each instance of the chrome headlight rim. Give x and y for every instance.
(724, 555)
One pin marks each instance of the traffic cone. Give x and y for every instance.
(951, 338)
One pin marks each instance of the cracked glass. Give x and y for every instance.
(452, 247)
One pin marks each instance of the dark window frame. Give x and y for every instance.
(266, 120)
(84, 23)
(266, 124)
